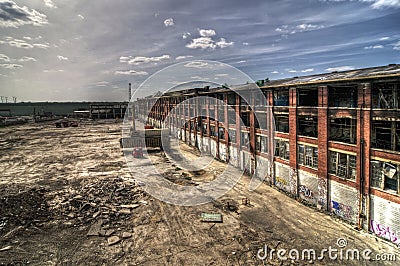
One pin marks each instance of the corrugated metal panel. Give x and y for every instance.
(308, 187)
(344, 201)
(385, 219)
(206, 144)
(282, 176)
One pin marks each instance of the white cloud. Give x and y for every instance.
(27, 59)
(202, 43)
(396, 46)
(102, 84)
(18, 43)
(222, 43)
(12, 15)
(208, 43)
(378, 46)
(292, 71)
(42, 45)
(137, 60)
(221, 75)
(4, 58)
(340, 68)
(49, 3)
(130, 72)
(52, 70)
(241, 61)
(379, 4)
(81, 16)
(62, 58)
(207, 33)
(181, 57)
(384, 38)
(24, 44)
(245, 43)
(376, 4)
(186, 35)
(197, 64)
(169, 22)
(275, 72)
(10, 66)
(287, 29)
(308, 70)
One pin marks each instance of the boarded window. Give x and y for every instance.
(308, 156)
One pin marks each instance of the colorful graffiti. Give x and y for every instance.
(281, 181)
(344, 211)
(306, 192)
(322, 193)
(384, 231)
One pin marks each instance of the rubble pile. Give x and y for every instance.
(19, 207)
(108, 198)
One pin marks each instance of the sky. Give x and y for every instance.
(70, 50)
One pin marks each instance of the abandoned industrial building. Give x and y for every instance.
(336, 138)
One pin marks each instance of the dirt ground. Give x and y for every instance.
(67, 197)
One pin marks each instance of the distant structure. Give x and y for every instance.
(130, 92)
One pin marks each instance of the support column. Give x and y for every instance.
(226, 126)
(323, 153)
(252, 136)
(293, 178)
(364, 153)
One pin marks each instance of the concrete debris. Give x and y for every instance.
(107, 198)
(113, 240)
(126, 235)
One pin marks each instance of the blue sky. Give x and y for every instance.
(53, 50)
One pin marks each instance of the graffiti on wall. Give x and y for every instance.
(293, 180)
(280, 181)
(384, 231)
(322, 193)
(306, 192)
(342, 210)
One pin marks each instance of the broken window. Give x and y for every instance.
(385, 176)
(204, 129)
(282, 149)
(260, 120)
(343, 130)
(232, 135)
(232, 99)
(245, 139)
(307, 155)
(308, 126)
(386, 135)
(213, 133)
(342, 165)
(261, 144)
(221, 133)
(231, 116)
(281, 97)
(282, 123)
(345, 96)
(245, 116)
(385, 96)
(307, 97)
